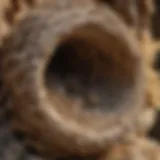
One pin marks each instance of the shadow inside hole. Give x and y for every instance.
(84, 69)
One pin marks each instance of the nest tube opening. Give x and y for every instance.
(79, 94)
(89, 87)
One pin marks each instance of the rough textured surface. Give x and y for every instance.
(19, 10)
(10, 147)
(87, 128)
(136, 149)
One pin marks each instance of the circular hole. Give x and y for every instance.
(84, 69)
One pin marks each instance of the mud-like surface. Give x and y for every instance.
(13, 149)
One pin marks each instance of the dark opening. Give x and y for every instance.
(86, 70)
